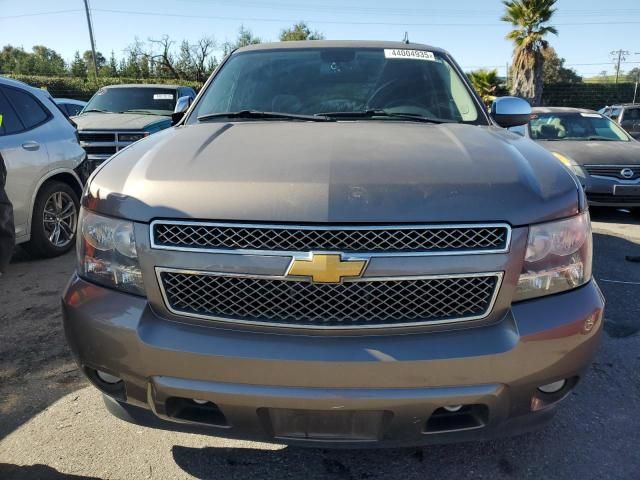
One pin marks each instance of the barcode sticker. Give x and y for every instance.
(409, 54)
(163, 96)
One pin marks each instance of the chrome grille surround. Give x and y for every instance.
(282, 239)
(368, 302)
(102, 144)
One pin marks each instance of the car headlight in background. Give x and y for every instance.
(107, 253)
(569, 163)
(558, 257)
(132, 137)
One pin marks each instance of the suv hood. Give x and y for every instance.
(597, 153)
(355, 172)
(118, 121)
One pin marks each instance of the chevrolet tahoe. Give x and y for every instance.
(336, 245)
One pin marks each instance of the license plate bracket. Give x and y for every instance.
(350, 425)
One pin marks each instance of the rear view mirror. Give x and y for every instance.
(510, 111)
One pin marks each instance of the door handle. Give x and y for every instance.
(31, 145)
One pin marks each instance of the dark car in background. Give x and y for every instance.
(69, 106)
(598, 151)
(119, 115)
(627, 116)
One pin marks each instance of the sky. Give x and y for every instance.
(470, 29)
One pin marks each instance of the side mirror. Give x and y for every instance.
(510, 111)
(182, 105)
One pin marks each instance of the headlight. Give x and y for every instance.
(558, 257)
(131, 137)
(107, 253)
(569, 163)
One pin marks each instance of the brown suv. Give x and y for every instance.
(336, 245)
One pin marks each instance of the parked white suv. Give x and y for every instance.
(41, 152)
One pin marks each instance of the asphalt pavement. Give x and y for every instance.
(53, 424)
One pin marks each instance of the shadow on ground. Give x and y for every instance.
(37, 472)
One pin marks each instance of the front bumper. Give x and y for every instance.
(600, 192)
(280, 387)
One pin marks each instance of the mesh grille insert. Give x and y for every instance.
(418, 239)
(350, 304)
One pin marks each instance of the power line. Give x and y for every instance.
(327, 22)
(55, 12)
(337, 22)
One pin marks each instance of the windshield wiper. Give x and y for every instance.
(601, 139)
(140, 110)
(96, 110)
(413, 117)
(259, 114)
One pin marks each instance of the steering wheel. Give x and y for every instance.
(419, 100)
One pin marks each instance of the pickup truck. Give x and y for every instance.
(337, 245)
(119, 115)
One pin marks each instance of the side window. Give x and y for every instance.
(28, 109)
(73, 109)
(10, 123)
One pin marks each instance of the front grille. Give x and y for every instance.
(362, 303)
(355, 239)
(97, 137)
(613, 171)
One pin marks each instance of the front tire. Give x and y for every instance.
(54, 221)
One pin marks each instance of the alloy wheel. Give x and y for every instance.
(60, 218)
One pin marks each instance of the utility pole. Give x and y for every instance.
(621, 58)
(93, 43)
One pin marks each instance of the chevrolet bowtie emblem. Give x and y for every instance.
(326, 268)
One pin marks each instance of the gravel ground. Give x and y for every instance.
(53, 425)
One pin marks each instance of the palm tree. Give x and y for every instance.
(487, 84)
(530, 17)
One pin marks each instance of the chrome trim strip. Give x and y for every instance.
(160, 270)
(633, 165)
(305, 254)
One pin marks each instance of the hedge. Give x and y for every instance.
(587, 95)
(83, 89)
(583, 95)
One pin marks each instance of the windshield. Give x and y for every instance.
(338, 80)
(574, 126)
(158, 101)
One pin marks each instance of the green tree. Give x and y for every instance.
(634, 75)
(554, 70)
(487, 84)
(245, 37)
(46, 61)
(13, 60)
(78, 68)
(87, 56)
(299, 31)
(113, 65)
(530, 19)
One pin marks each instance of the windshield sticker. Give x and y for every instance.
(163, 96)
(409, 54)
(591, 115)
